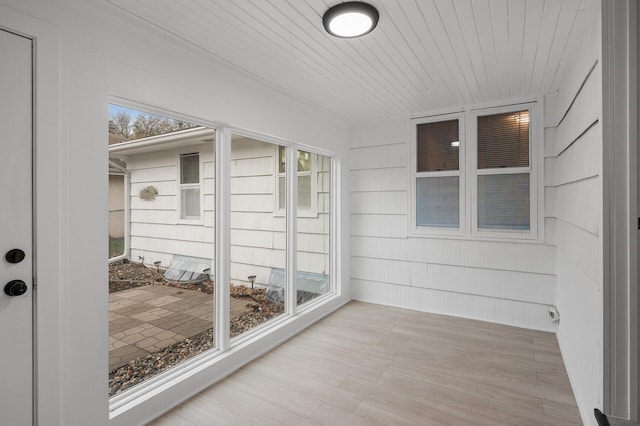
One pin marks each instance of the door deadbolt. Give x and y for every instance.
(14, 256)
(15, 288)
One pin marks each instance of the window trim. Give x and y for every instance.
(476, 231)
(461, 173)
(181, 186)
(211, 366)
(469, 175)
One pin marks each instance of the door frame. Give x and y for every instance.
(48, 331)
(620, 85)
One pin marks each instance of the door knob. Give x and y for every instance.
(15, 288)
(14, 256)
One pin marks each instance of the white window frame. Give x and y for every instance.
(469, 173)
(312, 211)
(181, 186)
(132, 405)
(461, 173)
(472, 190)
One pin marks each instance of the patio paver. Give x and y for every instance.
(147, 319)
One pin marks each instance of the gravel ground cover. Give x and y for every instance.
(123, 276)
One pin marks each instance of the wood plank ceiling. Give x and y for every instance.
(425, 55)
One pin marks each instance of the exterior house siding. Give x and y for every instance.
(156, 231)
(116, 206)
(258, 236)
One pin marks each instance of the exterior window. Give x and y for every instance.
(475, 174)
(190, 186)
(438, 174)
(503, 171)
(306, 182)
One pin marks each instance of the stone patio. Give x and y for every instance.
(147, 319)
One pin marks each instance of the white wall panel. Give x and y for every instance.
(262, 203)
(550, 201)
(550, 230)
(550, 168)
(379, 225)
(261, 166)
(581, 247)
(159, 174)
(252, 238)
(253, 185)
(549, 132)
(577, 203)
(160, 245)
(379, 157)
(575, 191)
(314, 225)
(389, 271)
(582, 114)
(209, 202)
(154, 216)
(582, 160)
(380, 133)
(166, 158)
(258, 256)
(312, 242)
(575, 70)
(169, 187)
(507, 256)
(520, 314)
(380, 180)
(161, 202)
(173, 232)
(579, 303)
(259, 221)
(525, 287)
(384, 202)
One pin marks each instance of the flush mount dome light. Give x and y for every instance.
(350, 19)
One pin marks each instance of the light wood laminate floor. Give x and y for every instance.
(376, 365)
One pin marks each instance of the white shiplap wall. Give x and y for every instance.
(506, 282)
(573, 161)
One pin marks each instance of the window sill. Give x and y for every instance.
(505, 237)
(190, 222)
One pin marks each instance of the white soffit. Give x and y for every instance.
(424, 55)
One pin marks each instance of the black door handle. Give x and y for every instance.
(15, 288)
(14, 256)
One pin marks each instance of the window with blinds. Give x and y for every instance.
(503, 175)
(438, 174)
(437, 147)
(503, 140)
(475, 173)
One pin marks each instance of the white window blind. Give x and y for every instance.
(503, 182)
(438, 174)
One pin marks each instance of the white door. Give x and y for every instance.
(16, 272)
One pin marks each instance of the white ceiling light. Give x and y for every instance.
(350, 19)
